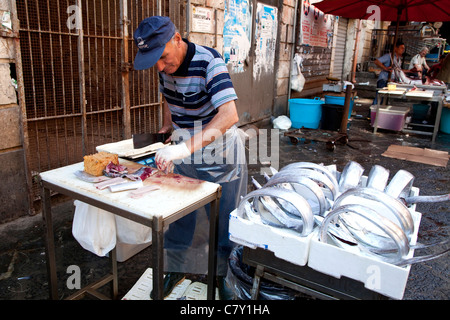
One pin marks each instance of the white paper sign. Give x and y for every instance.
(202, 20)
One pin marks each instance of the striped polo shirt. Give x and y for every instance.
(199, 86)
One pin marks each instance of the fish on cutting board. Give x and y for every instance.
(110, 182)
(173, 180)
(126, 186)
(83, 175)
(142, 191)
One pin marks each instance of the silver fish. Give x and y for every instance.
(336, 230)
(400, 185)
(309, 165)
(405, 262)
(284, 178)
(264, 208)
(255, 213)
(250, 212)
(391, 229)
(437, 198)
(266, 216)
(283, 185)
(286, 206)
(320, 178)
(350, 176)
(417, 246)
(378, 177)
(304, 225)
(394, 206)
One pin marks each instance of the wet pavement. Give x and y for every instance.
(23, 273)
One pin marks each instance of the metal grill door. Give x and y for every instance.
(80, 89)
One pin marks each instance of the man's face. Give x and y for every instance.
(423, 53)
(172, 57)
(400, 50)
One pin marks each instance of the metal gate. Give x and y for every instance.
(80, 88)
(338, 65)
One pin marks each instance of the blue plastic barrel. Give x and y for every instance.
(305, 112)
(445, 120)
(340, 101)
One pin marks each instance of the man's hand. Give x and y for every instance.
(166, 129)
(165, 156)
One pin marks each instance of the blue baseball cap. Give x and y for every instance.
(151, 37)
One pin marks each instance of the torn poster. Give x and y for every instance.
(237, 33)
(265, 39)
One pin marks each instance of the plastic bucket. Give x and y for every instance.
(340, 101)
(331, 117)
(305, 112)
(445, 120)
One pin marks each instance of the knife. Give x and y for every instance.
(141, 140)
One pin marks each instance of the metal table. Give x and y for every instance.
(155, 210)
(302, 278)
(438, 96)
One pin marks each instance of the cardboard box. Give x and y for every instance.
(421, 155)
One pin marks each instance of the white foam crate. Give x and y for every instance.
(186, 290)
(144, 286)
(284, 243)
(378, 276)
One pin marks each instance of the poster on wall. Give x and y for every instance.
(265, 39)
(237, 32)
(202, 19)
(316, 26)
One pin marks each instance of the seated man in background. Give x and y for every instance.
(418, 64)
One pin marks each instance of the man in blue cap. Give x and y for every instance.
(198, 99)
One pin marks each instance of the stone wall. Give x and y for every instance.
(286, 45)
(13, 187)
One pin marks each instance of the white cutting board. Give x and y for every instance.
(125, 148)
(420, 94)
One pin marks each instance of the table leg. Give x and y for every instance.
(257, 282)
(212, 254)
(158, 257)
(114, 282)
(437, 121)
(49, 243)
(375, 122)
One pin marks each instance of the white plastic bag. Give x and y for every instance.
(297, 78)
(94, 228)
(131, 232)
(282, 122)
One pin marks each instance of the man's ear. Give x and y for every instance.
(178, 39)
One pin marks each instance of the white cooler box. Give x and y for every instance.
(381, 277)
(284, 243)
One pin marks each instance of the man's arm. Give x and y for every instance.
(380, 65)
(167, 120)
(223, 120)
